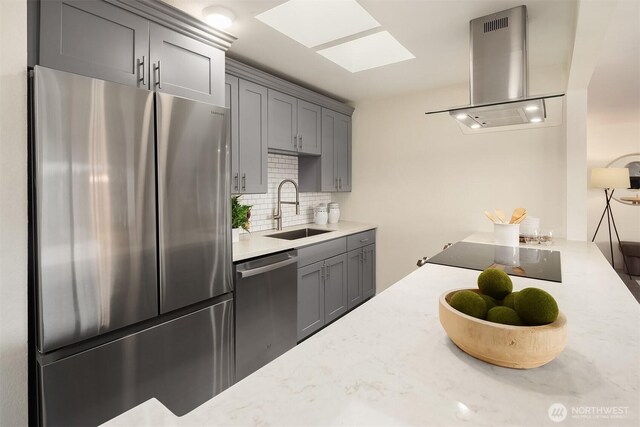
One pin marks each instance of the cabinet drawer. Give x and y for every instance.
(359, 240)
(321, 251)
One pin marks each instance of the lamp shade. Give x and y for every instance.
(610, 178)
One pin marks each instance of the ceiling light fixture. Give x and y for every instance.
(536, 120)
(475, 126)
(461, 116)
(532, 108)
(218, 17)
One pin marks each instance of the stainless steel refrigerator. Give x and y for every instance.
(132, 249)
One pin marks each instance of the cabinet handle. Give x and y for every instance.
(244, 181)
(295, 142)
(300, 139)
(141, 63)
(336, 183)
(235, 180)
(327, 271)
(340, 183)
(364, 252)
(361, 260)
(322, 273)
(364, 240)
(159, 81)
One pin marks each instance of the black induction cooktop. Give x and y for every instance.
(516, 261)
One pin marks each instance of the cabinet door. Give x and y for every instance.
(354, 275)
(94, 39)
(328, 178)
(231, 102)
(252, 137)
(368, 271)
(342, 147)
(185, 67)
(282, 121)
(310, 299)
(335, 287)
(309, 128)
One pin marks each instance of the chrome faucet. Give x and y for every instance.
(278, 215)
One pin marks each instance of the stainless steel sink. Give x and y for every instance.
(298, 234)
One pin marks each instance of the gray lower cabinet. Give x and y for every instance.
(332, 170)
(335, 287)
(94, 39)
(322, 294)
(334, 277)
(247, 135)
(294, 124)
(183, 66)
(311, 310)
(362, 275)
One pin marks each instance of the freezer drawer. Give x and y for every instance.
(183, 363)
(95, 207)
(194, 202)
(266, 310)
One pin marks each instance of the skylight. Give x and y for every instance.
(367, 52)
(315, 22)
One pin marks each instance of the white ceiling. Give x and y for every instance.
(435, 31)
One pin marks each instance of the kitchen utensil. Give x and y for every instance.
(491, 217)
(501, 216)
(519, 220)
(520, 347)
(517, 213)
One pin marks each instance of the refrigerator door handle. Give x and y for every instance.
(267, 268)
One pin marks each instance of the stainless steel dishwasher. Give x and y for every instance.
(266, 298)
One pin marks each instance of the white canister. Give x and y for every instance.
(320, 216)
(334, 213)
(506, 234)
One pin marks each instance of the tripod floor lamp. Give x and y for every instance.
(609, 179)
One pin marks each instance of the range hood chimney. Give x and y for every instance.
(499, 78)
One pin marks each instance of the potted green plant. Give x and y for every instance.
(240, 215)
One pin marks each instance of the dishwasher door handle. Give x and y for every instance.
(267, 268)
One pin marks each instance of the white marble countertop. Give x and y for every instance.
(389, 362)
(257, 244)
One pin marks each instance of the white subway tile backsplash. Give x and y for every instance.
(263, 205)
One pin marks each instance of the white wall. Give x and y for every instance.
(613, 125)
(425, 183)
(13, 213)
(263, 205)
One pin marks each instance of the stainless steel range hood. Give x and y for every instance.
(499, 79)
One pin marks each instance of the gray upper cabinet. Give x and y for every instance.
(309, 128)
(98, 39)
(282, 121)
(332, 170)
(252, 138)
(311, 310)
(294, 124)
(335, 287)
(183, 66)
(231, 102)
(94, 39)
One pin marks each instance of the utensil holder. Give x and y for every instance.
(506, 234)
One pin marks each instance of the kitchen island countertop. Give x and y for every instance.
(390, 363)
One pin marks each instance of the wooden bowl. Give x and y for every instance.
(520, 347)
